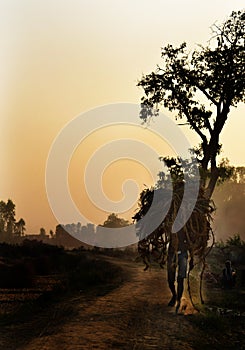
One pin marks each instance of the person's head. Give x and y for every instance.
(228, 264)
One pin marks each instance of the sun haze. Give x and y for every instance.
(62, 58)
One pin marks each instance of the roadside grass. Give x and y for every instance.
(75, 271)
(220, 322)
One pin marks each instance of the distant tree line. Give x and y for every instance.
(12, 231)
(65, 234)
(9, 227)
(229, 199)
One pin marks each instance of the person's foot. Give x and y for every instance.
(172, 301)
(177, 307)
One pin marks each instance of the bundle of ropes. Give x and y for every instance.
(153, 246)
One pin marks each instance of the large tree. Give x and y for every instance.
(199, 87)
(215, 73)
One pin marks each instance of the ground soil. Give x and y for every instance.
(134, 315)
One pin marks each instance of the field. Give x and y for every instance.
(93, 300)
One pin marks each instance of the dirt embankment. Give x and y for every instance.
(133, 316)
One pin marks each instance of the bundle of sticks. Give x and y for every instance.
(153, 246)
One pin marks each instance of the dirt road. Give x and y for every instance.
(132, 316)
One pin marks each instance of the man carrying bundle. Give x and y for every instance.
(177, 256)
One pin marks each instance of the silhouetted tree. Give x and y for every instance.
(7, 217)
(79, 227)
(10, 217)
(235, 241)
(2, 216)
(42, 232)
(20, 227)
(229, 198)
(8, 225)
(114, 221)
(238, 175)
(217, 72)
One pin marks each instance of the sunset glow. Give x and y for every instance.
(62, 58)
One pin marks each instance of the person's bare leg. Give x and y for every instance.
(171, 268)
(173, 291)
(180, 289)
(171, 282)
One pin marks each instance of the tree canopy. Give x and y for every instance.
(114, 221)
(201, 86)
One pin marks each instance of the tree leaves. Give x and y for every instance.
(215, 72)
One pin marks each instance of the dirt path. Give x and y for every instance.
(133, 316)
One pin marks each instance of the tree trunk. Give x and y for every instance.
(212, 182)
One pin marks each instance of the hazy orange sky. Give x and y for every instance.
(60, 58)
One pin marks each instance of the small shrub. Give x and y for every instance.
(235, 241)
